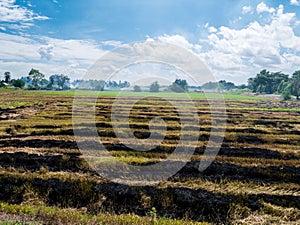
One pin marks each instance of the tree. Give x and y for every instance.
(242, 86)
(278, 79)
(63, 82)
(267, 82)
(36, 77)
(99, 87)
(179, 86)
(210, 86)
(59, 82)
(295, 84)
(7, 77)
(154, 87)
(224, 85)
(283, 86)
(286, 93)
(124, 84)
(18, 83)
(137, 88)
(51, 82)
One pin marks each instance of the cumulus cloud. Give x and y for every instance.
(247, 9)
(112, 43)
(12, 15)
(295, 2)
(81, 51)
(262, 7)
(240, 53)
(237, 54)
(273, 45)
(212, 29)
(233, 54)
(176, 40)
(179, 41)
(72, 57)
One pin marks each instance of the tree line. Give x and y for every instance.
(179, 86)
(35, 80)
(265, 82)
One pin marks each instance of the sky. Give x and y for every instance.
(235, 38)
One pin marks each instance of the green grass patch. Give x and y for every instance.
(55, 215)
(193, 95)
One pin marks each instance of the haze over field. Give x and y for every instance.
(236, 39)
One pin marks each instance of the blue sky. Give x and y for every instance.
(235, 38)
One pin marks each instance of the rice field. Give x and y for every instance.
(44, 176)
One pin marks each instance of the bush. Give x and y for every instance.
(286, 95)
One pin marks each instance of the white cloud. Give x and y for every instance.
(237, 54)
(212, 30)
(84, 52)
(20, 16)
(176, 40)
(247, 9)
(72, 57)
(112, 43)
(46, 52)
(295, 2)
(233, 54)
(273, 46)
(240, 53)
(262, 7)
(179, 41)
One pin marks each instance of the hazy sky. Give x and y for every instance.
(234, 38)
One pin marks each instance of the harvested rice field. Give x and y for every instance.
(46, 179)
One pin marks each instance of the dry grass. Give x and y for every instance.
(259, 160)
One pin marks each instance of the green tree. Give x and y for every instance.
(7, 77)
(60, 82)
(100, 87)
(267, 82)
(51, 82)
(210, 86)
(137, 88)
(18, 83)
(154, 87)
(295, 84)
(277, 79)
(179, 86)
(242, 86)
(36, 77)
(286, 93)
(283, 86)
(227, 86)
(63, 82)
